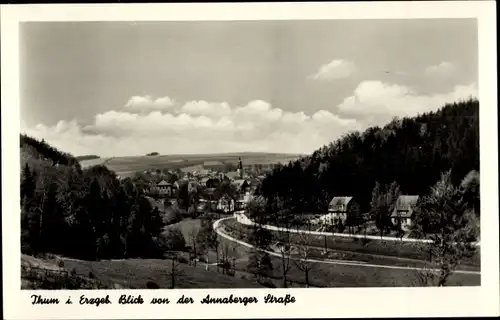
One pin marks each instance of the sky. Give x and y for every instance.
(130, 88)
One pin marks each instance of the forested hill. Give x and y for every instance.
(411, 151)
(33, 150)
(85, 214)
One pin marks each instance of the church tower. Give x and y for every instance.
(240, 168)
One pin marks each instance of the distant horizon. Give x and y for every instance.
(196, 154)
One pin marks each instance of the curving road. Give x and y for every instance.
(217, 229)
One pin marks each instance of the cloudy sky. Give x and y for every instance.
(124, 88)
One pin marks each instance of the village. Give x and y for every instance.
(212, 196)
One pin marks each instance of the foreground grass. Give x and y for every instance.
(136, 273)
(335, 275)
(395, 252)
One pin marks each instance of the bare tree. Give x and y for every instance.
(283, 247)
(227, 251)
(175, 270)
(304, 262)
(193, 242)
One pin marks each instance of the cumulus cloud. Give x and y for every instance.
(444, 68)
(376, 102)
(197, 127)
(336, 69)
(206, 108)
(146, 103)
(217, 127)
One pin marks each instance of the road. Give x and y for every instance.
(217, 229)
(243, 219)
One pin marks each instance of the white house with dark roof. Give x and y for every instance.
(403, 211)
(338, 209)
(163, 188)
(241, 185)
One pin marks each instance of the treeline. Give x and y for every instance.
(413, 152)
(86, 214)
(87, 157)
(42, 150)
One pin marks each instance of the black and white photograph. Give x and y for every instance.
(250, 154)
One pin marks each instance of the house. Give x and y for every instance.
(203, 205)
(166, 188)
(403, 211)
(232, 175)
(242, 202)
(209, 182)
(241, 185)
(163, 188)
(338, 210)
(226, 204)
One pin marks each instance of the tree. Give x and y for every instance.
(266, 265)
(173, 239)
(304, 262)
(383, 201)
(227, 251)
(353, 218)
(175, 270)
(260, 265)
(207, 238)
(260, 237)
(284, 247)
(27, 183)
(453, 228)
(469, 187)
(256, 210)
(193, 242)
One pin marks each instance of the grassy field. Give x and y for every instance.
(362, 249)
(329, 275)
(135, 273)
(125, 166)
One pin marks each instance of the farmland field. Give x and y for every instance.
(126, 166)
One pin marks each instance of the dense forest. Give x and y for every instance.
(86, 214)
(412, 152)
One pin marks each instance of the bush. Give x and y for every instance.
(73, 272)
(182, 260)
(172, 215)
(202, 259)
(172, 239)
(152, 285)
(91, 275)
(267, 283)
(60, 264)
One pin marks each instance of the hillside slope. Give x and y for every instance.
(411, 151)
(121, 274)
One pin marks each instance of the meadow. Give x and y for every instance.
(337, 275)
(126, 166)
(134, 273)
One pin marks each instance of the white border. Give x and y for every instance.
(364, 302)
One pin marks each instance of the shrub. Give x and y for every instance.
(73, 272)
(267, 283)
(172, 239)
(91, 275)
(172, 215)
(152, 285)
(182, 260)
(202, 259)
